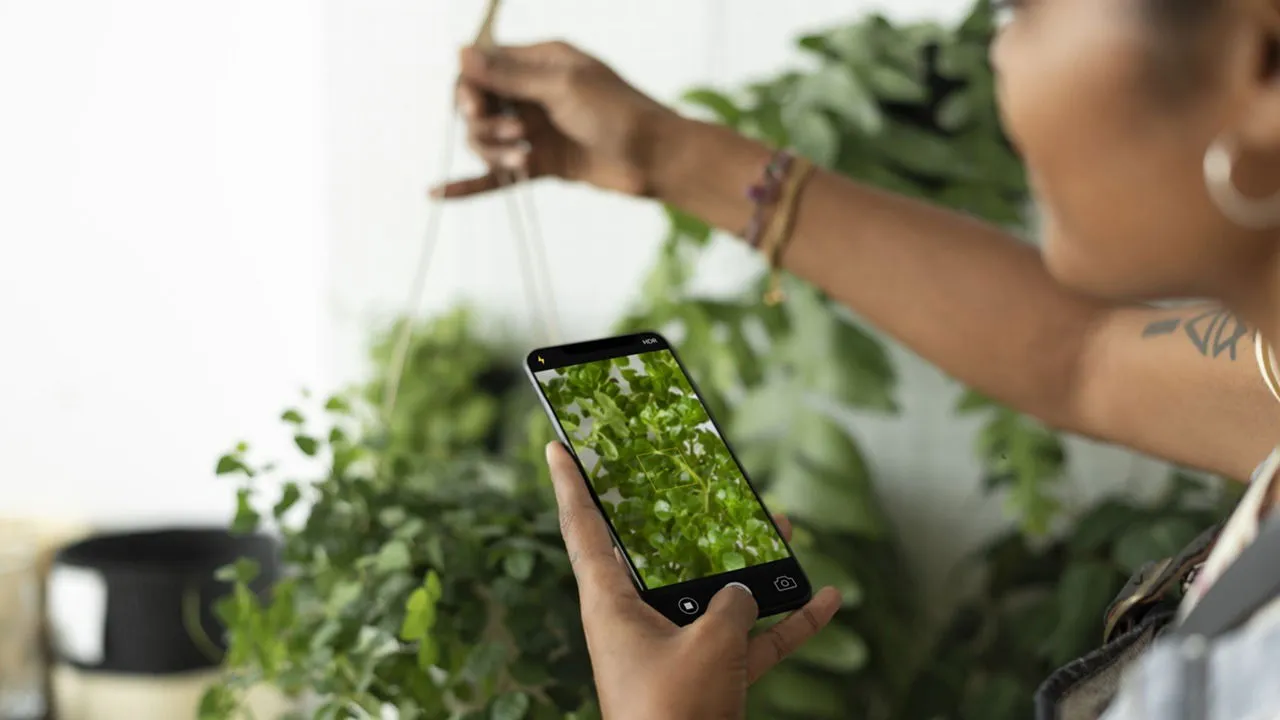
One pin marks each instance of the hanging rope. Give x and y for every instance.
(530, 248)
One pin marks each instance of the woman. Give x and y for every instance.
(1151, 132)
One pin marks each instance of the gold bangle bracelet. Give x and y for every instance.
(781, 226)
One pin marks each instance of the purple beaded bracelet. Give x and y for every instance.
(764, 194)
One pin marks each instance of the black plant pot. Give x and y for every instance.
(159, 590)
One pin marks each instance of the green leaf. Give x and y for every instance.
(308, 445)
(890, 83)
(243, 570)
(1083, 593)
(814, 136)
(230, 464)
(972, 401)
(420, 616)
(837, 88)
(793, 692)
(956, 111)
(217, 703)
(484, 660)
(342, 595)
(432, 586)
(246, 519)
(293, 416)
(733, 561)
(1103, 525)
(823, 572)
(720, 105)
(836, 648)
(337, 403)
(824, 479)
(1143, 543)
(510, 706)
(519, 564)
(428, 653)
(394, 557)
(289, 496)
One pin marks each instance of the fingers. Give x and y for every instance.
(465, 188)
(733, 609)
(784, 526)
(531, 72)
(770, 647)
(586, 536)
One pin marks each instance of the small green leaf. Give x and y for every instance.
(890, 83)
(484, 660)
(289, 497)
(972, 401)
(337, 404)
(246, 519)
(814, 136)
(308, 445)
(733, 561)
(428, 653)
(836, 648)
(791, 692)
(243, 570)
(432, 586)
(824, 571)
(394, 557)
(217, 703)
(293, 416)
(720, 106)
(342, 595)
(519, 564)
(420, 609)
(229, 464)
(510, 706)
(955, 112)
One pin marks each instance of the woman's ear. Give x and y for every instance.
(1254, 70)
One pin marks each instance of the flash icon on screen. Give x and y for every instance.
(541, 361)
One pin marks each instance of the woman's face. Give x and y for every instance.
(1116, 157)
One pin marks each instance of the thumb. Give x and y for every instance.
(733, 609)
(529, 73)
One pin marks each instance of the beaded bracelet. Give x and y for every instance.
(765, 193)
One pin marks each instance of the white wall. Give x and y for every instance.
(162, 246)
(207, 205)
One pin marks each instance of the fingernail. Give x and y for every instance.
(468, 107)
(551, 450)
(435, 193)
(745, 589)
(508, 131)
(513, 159)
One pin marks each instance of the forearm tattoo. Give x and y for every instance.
(1215, 333)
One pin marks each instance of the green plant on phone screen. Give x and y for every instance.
(677, 499)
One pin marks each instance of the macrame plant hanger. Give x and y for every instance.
(525, 230)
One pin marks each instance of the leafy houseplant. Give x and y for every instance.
(428, 571)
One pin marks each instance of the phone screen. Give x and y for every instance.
(679, 503)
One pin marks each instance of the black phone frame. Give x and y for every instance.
(778, 586)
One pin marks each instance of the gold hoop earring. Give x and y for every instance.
(1267, 365)
(1252, 213)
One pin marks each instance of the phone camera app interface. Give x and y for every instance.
(670, 486)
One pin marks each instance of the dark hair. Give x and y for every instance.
(1179, 61)
(1179, 14)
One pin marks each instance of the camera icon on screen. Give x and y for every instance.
(784, 582)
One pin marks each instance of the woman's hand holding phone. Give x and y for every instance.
(645, 665)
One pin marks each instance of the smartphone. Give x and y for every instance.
(678, 503)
